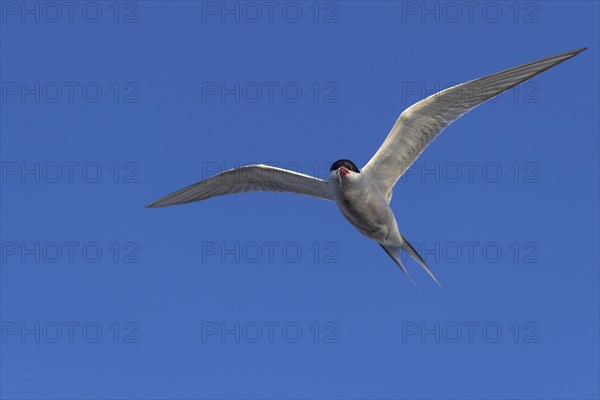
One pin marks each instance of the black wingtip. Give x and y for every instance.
(575, 52)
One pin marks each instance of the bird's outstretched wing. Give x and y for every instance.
(419, 124)
(251, 178)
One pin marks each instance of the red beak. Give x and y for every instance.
(344, 171)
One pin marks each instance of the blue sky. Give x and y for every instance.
(107, 106)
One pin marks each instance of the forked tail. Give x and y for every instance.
(394, 252)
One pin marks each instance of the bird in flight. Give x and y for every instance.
(363, 195)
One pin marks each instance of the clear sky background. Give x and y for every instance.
(107, 106)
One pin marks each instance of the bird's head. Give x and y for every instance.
(344, 169)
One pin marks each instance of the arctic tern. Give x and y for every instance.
(363, 196)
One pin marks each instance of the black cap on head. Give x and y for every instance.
(344, 163)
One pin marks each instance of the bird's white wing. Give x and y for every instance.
(251, 178)
(419, 124)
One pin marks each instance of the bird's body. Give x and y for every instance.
(364, 206)
(363, 196)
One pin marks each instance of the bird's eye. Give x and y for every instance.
(351, 166)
